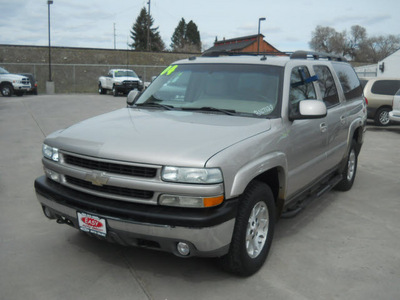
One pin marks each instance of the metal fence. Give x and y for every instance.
(77, 78)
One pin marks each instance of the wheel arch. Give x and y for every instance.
(271, 170)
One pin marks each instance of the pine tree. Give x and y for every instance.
(139, 33)
(178, 38)
(186, 37)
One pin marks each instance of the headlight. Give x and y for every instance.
(50, 152)
(192, 175)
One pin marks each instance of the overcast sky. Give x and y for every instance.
(288, 26)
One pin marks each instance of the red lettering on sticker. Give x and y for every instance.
(91, 222)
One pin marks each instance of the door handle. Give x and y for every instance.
(323, 127)
(342, 120)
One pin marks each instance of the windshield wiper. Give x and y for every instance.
(154, 104)
(229, 112)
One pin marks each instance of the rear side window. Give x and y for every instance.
(386, 87)
(349, 81)
(327, 85)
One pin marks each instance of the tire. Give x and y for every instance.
(349, 173)
(7, 90)
(253, 232)
(114, 91)
(101, 90)
(382, 116)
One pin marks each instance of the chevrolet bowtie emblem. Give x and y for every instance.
(97, 178)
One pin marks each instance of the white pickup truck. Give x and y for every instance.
(120, 81)
(13, 84)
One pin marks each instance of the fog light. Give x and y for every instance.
(183, 248)
(48, 213)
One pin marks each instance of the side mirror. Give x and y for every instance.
(132, 97)
(309, 109)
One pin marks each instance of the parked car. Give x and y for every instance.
(11, 84)
(394, 115)
(120, 81)
(206, 158)
(379, 93)
(33, 82)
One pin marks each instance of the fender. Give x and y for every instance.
(256, 168)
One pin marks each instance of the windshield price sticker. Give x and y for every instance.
(169, 70)
(92, 224)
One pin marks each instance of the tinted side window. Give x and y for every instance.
(386, 87)
(300, 87)
(349, 81)
(327, 85)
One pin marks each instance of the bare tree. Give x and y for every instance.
(356, 45)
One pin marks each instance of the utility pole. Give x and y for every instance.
(148, 27)
(114, 38)
(49, 2)
(50, 83)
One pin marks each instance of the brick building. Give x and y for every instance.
(248, 44)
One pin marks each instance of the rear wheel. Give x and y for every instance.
(349, 173)
(253, 232)
(382, 116)
(101, 90)
(7, 90)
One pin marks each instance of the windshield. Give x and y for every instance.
(125, 73)
(251, 90)
(3, 71)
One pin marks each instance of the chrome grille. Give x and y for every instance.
(109, 189)
(130, 83)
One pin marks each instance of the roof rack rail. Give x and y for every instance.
(316, 56)
(231, 53)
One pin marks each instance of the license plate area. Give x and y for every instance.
(92, 224)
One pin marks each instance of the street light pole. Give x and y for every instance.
(48, 14)
(258, 36)
(148, 28)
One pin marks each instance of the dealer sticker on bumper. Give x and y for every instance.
(92, 224)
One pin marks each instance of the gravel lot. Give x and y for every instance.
(343, 246)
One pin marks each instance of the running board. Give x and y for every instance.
(294, 210)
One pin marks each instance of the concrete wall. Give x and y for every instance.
(76, 70)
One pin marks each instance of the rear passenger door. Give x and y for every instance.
(336, 121)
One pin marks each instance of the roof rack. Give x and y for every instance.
(316, 56)
(231, 53)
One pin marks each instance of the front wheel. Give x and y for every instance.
(253, 232)
(349, 173)
(114, 91)
(7, 90)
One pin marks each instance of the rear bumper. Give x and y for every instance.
(371, 112)
(208, 232)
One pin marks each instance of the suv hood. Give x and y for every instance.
(11, 77)
(157, 137)
(120, 79)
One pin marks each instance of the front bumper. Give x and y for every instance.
(394, 117)
(208, 232)
(126, 88)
